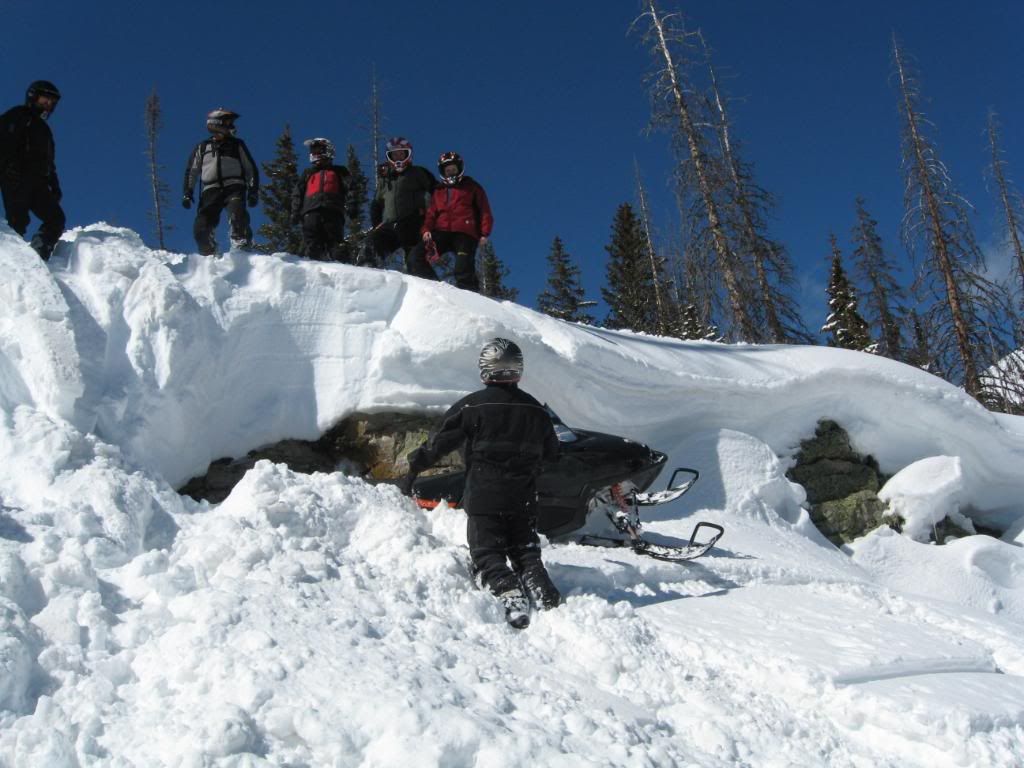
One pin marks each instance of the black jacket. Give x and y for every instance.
(506, 436)
(219, 164)
(315, 190)
(26, 147)
(402, 195)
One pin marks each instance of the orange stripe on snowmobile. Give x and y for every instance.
(431, 504)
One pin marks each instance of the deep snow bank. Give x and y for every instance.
(317, 620)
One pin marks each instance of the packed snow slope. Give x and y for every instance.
(322, 621)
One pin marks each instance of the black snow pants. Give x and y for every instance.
(404, 234)
(464, 248)
(323, 235)
(33, 195)
(211, 203)
(501, 529)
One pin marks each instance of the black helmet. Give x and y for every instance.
(501, 362)
(221, 120)
(450, 158)
(41, 88)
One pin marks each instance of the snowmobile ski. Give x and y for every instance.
(641, 546)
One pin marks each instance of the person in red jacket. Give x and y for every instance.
(458, 219)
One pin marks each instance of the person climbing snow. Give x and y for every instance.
(28, 172)
(228, 179)
(506, 436)
(458, 219)
(318, 203)
(399, 206)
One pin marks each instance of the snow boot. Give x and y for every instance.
(517, 608)
(540, 588)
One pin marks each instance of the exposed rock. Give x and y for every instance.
(841, 485)
(375, 446)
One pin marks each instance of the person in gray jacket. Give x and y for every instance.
(397, 210)
(228, 179)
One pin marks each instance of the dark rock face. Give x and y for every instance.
(374, 446)
(841, 485)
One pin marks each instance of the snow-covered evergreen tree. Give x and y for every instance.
(282, 175)
(845, 325)
(693, 327)
(563, 298)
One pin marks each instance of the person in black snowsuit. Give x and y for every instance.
(28, 173)
(318, 204)
(229, 178)
(398, 208)
(506, 437)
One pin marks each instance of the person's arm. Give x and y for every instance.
(8, 137)
(483, 208)
(192, 171)
(449, 437)
(430, 219)
(252, 173)
(297, 193)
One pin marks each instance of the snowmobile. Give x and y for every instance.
(595, 475)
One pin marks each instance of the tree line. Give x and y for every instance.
(723, 277)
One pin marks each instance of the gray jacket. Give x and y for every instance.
(221, 164)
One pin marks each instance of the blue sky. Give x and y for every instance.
(546, 101)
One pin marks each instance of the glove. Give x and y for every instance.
(405, 484)
(254, 198)
(431, 252)
(186, 202)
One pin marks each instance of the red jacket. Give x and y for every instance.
(461, 207)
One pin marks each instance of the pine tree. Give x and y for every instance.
(563, 298)
(153, 123)
(884, 297)
(493, 274)
(276, 193)
(847, 328)
(920, 354)
(662, 312)
(628, 292)
(357, 200)
(968, 314)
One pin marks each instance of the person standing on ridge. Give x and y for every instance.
(28, 172)
(318, 203)
(397, 210)
(458, 219)
(228, 178)
(506, 436)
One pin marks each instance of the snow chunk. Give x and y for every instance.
(926, 492)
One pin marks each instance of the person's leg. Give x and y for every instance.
(465, 262)
(211, 203)
(488, 544)
(16, 206)
(51, 221)
(334, 231)
(408, 232)
(383, 242)
(238, 216)
(313, 241)
(524, 552)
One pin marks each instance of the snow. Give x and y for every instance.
(321, 621)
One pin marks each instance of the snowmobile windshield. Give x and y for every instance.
(562, 432)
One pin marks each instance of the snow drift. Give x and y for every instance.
(318, 620)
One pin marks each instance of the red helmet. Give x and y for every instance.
(398, 152)
(450, 158)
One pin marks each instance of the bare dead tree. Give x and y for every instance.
(657, 267)
(673, 96)
(1010, 199)
(153, 121)
(967, 311)
(749, 206)
(376, 127)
